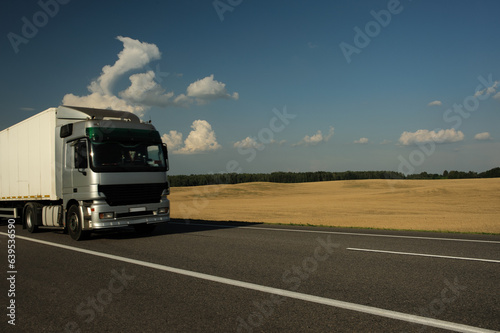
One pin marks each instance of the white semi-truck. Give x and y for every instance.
(82, 169)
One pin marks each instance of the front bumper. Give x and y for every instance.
(124, 215)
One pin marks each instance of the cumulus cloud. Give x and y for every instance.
(173, 140)
(208, 89)
(482, 136)
(248, 142)
(425, 136)
(316, 138)
(435, 103)
(497, 96)
(362, 141)
(100, 101)
(144, 90)
(201, 139)
(135, 55)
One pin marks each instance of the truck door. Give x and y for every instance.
(76, 169)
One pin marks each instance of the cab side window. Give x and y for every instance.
(81, 154)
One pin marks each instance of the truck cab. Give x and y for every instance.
(112, 171)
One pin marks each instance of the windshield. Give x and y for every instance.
(136, 152)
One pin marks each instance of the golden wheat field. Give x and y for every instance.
(463, 205)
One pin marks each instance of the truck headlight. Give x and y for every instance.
(108, 215)
(163, 210)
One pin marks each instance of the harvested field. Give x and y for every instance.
(463, 205)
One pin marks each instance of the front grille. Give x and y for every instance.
(132, 194)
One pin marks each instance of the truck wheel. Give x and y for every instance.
(75, 224)
(31, 216)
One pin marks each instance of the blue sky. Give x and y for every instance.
(262, 86)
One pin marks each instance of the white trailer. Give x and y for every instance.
(27, 170)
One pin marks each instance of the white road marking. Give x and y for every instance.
(276, 291)
(341, 233)
(424, 255)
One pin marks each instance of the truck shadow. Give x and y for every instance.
(175, 226)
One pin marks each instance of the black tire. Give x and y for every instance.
(32, 216)
(74, 224)
(144, 229)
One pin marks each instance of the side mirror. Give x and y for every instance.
(165, 154)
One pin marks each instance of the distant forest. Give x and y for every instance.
(319, 176)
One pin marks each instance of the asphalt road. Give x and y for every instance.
(220, 277)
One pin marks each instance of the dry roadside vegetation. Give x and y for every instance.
(462, 205)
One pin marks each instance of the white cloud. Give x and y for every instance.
(135, 55)
(425, 136)
(144, 90)
(488, 90)
(362, 141)
(482, 136)
(173, 140)
(435, 103)
(100, 101)
(248, 142)
(316, 138)
(208, 89)
(497, 96)
(200, 139)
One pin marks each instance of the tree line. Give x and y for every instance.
(318, 176)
